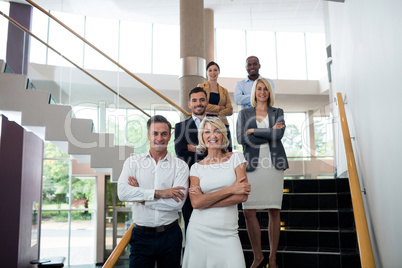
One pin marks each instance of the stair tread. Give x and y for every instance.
(306, 250)
(293, 229)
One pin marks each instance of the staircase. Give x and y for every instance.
(318, 227)
(55, 123)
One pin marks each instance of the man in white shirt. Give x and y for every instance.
(157, 183)
(243, 88)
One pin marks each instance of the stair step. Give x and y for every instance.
(308, 219)
(304, 258)
(55, 123)
(316, 186)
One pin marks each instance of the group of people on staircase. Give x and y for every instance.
(207, 180)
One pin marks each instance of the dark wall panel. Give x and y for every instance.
(21, 156)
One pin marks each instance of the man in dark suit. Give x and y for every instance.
(186, 137)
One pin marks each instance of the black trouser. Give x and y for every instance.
(150, 246)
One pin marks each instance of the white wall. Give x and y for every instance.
(366, 41)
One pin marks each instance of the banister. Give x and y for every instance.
(71, 62)
(363, 237)
(118, 250)
(110, 59)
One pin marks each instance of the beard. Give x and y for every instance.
(201, 111)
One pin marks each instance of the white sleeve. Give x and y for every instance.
(194, 171)
(238, 158)
(169, 204)
(130, 193)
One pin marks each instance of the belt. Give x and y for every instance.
(157, 229)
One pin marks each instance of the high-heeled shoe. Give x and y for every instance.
(276, 266)
(263, 263)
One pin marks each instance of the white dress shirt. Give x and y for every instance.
(197, 121)
(169, 172)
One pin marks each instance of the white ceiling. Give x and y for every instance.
(267, 15)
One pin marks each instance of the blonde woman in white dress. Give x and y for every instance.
(217, 184)
(260, 129)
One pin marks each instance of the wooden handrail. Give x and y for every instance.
(363, 237)
(71, 62)
(118, 250)
(110, 59)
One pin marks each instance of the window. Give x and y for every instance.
(323, 134)
(64, 41)
(291, 56)
(296, 139)
(316, 55)
(262, 45)
(166, 49)
(231, 52)
(68, 211)
(103, 34)
(155, 48)
(40, 25)
(136, 46)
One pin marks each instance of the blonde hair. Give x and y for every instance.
(216, 122)
(268, 85)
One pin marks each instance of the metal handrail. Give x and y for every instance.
(110, 59)
(363, 237)
(118, 250)
(71, 62)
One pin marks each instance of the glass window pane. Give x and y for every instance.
(82, 247)
(316, 56)
(124, 220)
(83, 193)
(295, 134)
(291, 56)
(166, 49)
(231, 52)
(55, 184)
(65, 42)
(324, 143)
(136, 129)
(54, 234)
(40, 23)
(116, 124)
(109, 232)
(136, 55)
(51, 151)
(262, 45)
(4, 7)
(103, 34)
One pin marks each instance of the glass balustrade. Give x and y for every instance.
(112, 95)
